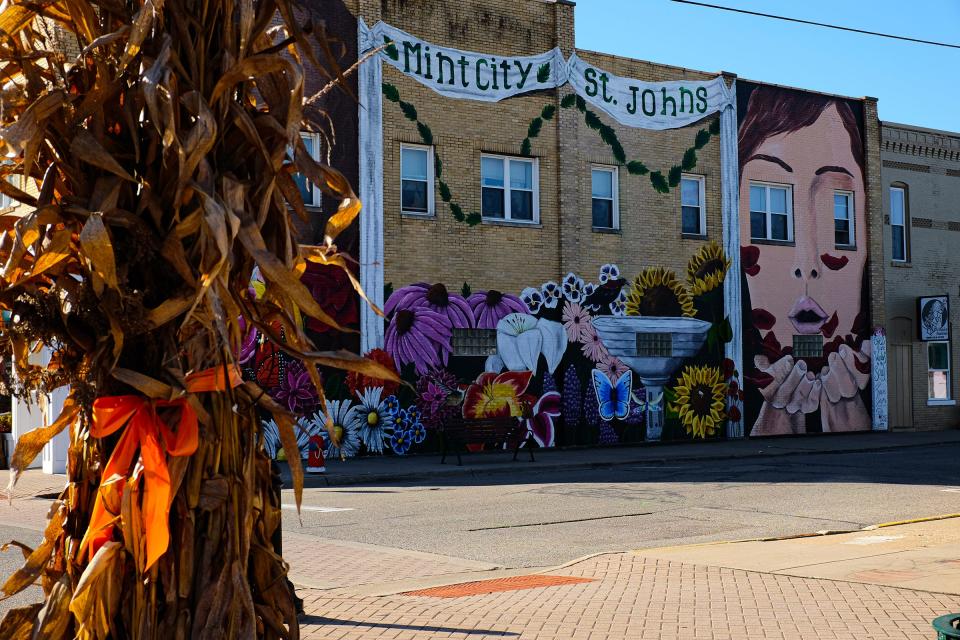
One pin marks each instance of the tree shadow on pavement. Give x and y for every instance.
(320, 620)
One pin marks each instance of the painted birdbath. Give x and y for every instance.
(653, 348)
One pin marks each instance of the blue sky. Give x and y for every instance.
(915, 84)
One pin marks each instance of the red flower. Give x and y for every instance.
(540, 424)
(734, 413)
(357, 382)
(749, 257)
(496, 396)
(331, 288)
(763, 319)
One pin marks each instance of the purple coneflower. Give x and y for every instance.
(248, 345)
(436, 298)
(492, 306)
(420, 336)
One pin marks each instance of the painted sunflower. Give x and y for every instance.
(700, 392)
(707, 268)
(657, 292)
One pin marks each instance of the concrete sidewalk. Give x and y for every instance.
(394, 469)
(921, 556)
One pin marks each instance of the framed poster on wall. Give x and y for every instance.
(933, 314)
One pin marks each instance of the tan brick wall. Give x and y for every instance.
(649, 221)
(928, 163)
(513, 257)
(441, 248)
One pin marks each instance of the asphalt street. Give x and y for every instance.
(534, 519)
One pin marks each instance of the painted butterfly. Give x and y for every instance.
(614, 398)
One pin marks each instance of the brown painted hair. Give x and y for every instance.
(775, 110)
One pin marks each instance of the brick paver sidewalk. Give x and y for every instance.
(632, 597)
(33, 482)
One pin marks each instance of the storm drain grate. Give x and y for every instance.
(496, 585)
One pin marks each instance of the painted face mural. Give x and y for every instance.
(803, 230)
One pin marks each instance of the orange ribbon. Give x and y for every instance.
(155, 440)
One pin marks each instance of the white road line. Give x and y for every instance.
(293, 507)
(951, 490)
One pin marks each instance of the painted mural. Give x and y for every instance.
(807, 349)
(563, 359)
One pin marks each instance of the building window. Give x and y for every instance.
(771, 212)
(308, 191)
(416, 179)
(692, 209)
(606, 200)
(843, 217)
(6, 201)
(898, 223)
(938, 370)
(510, 189)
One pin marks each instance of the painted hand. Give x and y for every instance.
(774, 418)
(840, 403)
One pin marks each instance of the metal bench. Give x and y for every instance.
(458, 432)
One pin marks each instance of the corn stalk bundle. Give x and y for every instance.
(156, 141)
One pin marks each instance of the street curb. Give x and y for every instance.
(337, 480)
(797, 536)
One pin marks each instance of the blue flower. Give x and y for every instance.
(532, 297)
(413, 413)
(418, 432)
(551, 294)
(392, 405)
(609, 272)
(400, 441)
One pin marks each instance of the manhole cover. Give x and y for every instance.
(515, 583)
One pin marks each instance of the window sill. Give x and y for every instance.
(693, 236)
(417, 216)
(511, 223)
(610, 230)
(900, 265)
(845, 247)
(941, 403)
(775, 243)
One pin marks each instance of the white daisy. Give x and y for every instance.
(371, 419)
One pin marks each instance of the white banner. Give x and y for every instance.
(648, 105)
(465, 74)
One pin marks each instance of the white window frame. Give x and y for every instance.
(768, 186)
(903, 225)
(507, 189)
(852, 216)
(431, 204)
(615, 187)
(949, 399)
(701, 182)
(311, 141)
(6, 202)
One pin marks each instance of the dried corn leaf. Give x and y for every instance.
(18, 624)
(98, 592)
(34, 563)
(96, 246)
(30, 444)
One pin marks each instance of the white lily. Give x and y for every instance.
(522, 338)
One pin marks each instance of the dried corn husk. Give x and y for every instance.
(155, 177)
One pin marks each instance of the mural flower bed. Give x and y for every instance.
(496, 396)
(420, 337)
(490, 307)
(436, 391)
(296, 391)
(372, 419)
(521, 339)
(357, 381)
(540, 423)
(699, 402)
(343, 440)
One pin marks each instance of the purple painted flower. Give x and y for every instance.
(296, 390)
(571, 396)
(591, 409)
(549, 383)
(420, 336)
(436, 298)
(248, 344)
(492, 306)
(433, 392)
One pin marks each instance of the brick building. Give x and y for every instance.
(921, 189)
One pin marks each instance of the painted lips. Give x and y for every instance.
(807, 316)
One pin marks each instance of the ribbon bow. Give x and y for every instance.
(149, 434)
